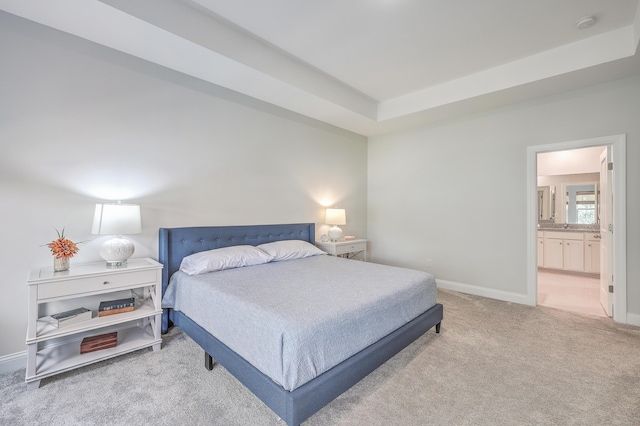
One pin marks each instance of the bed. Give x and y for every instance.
(291, 395)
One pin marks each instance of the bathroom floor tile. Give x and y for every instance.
(574, 293)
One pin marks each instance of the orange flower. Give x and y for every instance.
(62, 247)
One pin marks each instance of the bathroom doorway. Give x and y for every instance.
(577, 270)
(568, 230)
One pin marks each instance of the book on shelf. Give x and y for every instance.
(115, 311)
(117, 304)
(67, 318)
(349, 238)
(96, 343)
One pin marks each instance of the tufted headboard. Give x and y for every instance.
(176, 243)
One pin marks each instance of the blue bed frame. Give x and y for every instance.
(296, 406)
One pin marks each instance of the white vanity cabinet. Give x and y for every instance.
(553, 252)
(564, 250)
(540, 249)
(592, 252)
(573, 253)
(570, 251)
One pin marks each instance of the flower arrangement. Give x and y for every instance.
(62, 248)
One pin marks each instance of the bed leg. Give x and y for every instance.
(208, 361)
(438, 327)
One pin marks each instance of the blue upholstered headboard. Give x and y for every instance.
(176, 243)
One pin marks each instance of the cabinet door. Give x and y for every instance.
(592, 257)
(540, 253)
(553, 257)
(573, 255)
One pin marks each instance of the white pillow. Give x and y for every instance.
(223, 258)
(290, 249)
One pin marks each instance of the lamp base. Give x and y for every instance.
(116, 251)
(116, 264)
(335, 233)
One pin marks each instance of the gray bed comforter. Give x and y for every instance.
(295, 319)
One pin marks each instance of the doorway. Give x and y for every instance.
(569, 260)
(617, 264)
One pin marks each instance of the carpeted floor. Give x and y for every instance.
(494, 363)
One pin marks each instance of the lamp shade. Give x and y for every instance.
(335, 217)
(116, 219)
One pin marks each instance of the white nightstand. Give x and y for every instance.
(351, 249)
(52, 350)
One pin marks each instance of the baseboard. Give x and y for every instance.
(13, 362)
(491, 293)
(633, 319)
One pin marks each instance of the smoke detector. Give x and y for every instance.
(585, 22)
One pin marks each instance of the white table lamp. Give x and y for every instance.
(117, 219)
(335, 217)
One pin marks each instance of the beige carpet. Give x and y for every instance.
(494, 363)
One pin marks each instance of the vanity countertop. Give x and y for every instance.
(595, 231)
(571, 227)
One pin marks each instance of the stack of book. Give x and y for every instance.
(96, 343)
(119, 306)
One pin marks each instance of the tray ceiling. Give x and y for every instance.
(368, 66)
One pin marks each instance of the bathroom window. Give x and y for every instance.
(586, 207)
(581, 203)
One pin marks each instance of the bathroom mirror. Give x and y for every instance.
(546, 202)
(581, 203)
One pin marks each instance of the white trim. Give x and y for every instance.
(13, 362)
(532, 225)
(618, 142)
(491, 293)
(633, 319)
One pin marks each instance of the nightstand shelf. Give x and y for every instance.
(52, 350)
(354, 249)
(58, 358)
(46, 331)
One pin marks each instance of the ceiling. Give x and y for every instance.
(367, 66)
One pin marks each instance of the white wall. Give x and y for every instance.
(81, 124)
(574, 161)
(558, 180)
(455, 191)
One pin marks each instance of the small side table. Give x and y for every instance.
(52, 350)
(354, 249)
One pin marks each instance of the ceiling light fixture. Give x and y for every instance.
(585, 22)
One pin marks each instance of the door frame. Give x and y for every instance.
(618, 143)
